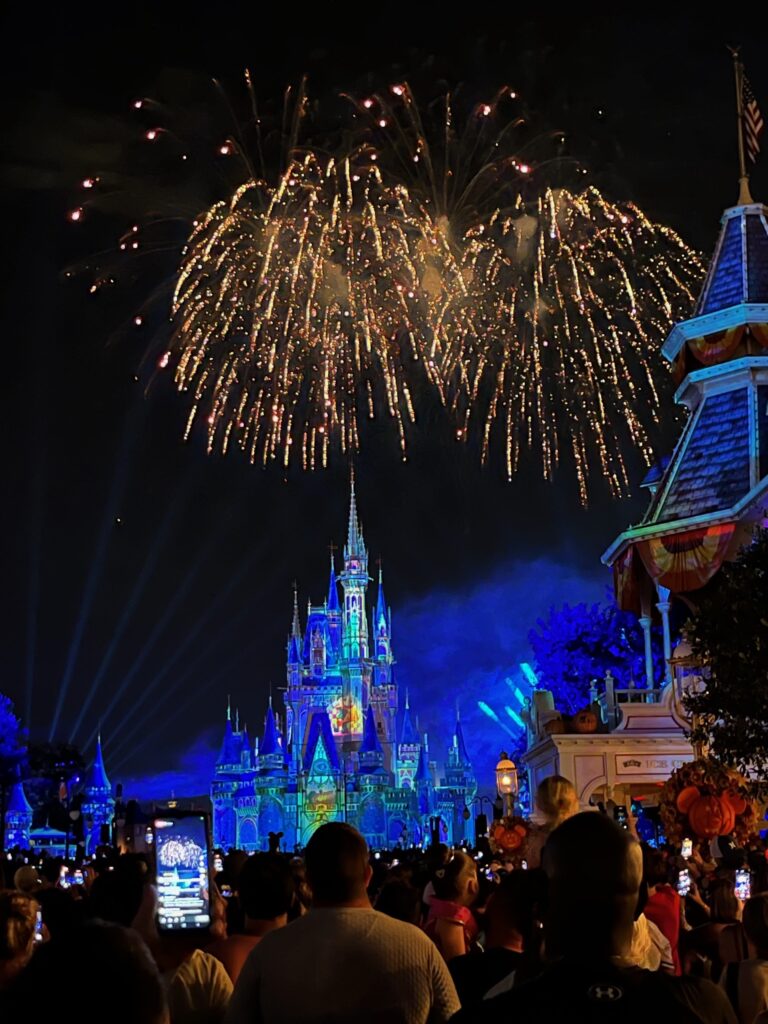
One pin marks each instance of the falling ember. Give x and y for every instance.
(76, 214)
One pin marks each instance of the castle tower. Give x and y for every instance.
(18, 817)
(408, 748)
(354, 579)
(708, 497)
(98, 804)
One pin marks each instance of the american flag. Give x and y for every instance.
(753, 121)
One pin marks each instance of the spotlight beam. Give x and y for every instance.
(157, 630)
(194, 632)
(148, 569)
(127, 448)
(194, 697)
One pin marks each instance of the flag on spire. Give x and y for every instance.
(754, 124)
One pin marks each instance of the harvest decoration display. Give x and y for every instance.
(705, 799)
(508, 836)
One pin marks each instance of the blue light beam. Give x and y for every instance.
(127, 448)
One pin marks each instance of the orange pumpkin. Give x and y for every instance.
(686, 798)
(708, 817)
(584, 721)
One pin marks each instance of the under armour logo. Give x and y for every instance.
(605, 993)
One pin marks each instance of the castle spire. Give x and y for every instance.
(296, 625)
(269, 745)
(97, 777)
(333, 590)
(355, 547)
(381, 604)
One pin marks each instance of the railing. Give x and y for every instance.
(635, 696)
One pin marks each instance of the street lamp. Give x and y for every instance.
(506, 781)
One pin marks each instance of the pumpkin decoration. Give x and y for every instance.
(508, 836)
(711, 816)
(707, 799)
(584, 721)
(555, 727)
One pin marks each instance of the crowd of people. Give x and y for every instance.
(593, 929)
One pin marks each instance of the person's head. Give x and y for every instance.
(18, 917)
(755, 921)
(27, 880)
(338, 871)
(266, 888)
(557, 799)
(724, 905)
(511, 913)
(60, 912)
(399, 899)
(118, 973)
(50, 870)
(117, 896)
(456, 880)
(655, 867)
(594, 868)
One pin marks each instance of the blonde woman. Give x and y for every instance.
(556, 801)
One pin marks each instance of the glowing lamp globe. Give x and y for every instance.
(506, 776)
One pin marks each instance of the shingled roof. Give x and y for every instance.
(711, 471)
(739, 269)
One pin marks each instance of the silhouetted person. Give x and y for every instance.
(594, 869)
(343, 961)
(267, 893)
(511, 952)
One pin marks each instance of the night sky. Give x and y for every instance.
(153, 579)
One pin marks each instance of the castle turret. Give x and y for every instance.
(18, 817)
(98, 804)
(408, 747)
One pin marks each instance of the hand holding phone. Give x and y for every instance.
(743, 887)
(683, 882)
(182, 857)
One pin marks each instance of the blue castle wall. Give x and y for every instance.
(345, 747)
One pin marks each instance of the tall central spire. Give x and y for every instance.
(296, 625)
(355, 547)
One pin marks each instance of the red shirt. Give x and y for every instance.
(663, 908)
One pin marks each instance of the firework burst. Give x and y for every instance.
(435, 249)
(293, 305)
(569, 297)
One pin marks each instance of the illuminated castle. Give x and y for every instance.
(346, 748)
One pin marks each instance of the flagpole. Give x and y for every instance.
(745, 197)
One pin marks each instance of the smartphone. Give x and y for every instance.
(39, 926)
(683, 882)
(218, 863)
(64, 882)
(687, 850)
(77, 877)
(620, 814)
(226, 891)
(743, 886)
(182, 860)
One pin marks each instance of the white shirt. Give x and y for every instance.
(340, 965)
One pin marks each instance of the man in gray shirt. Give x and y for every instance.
(343, 961)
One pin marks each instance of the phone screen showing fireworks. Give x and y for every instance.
(684, 882)
(182, 857)
(687, 851)
(743, 885)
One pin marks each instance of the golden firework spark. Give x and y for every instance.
(292, 305)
